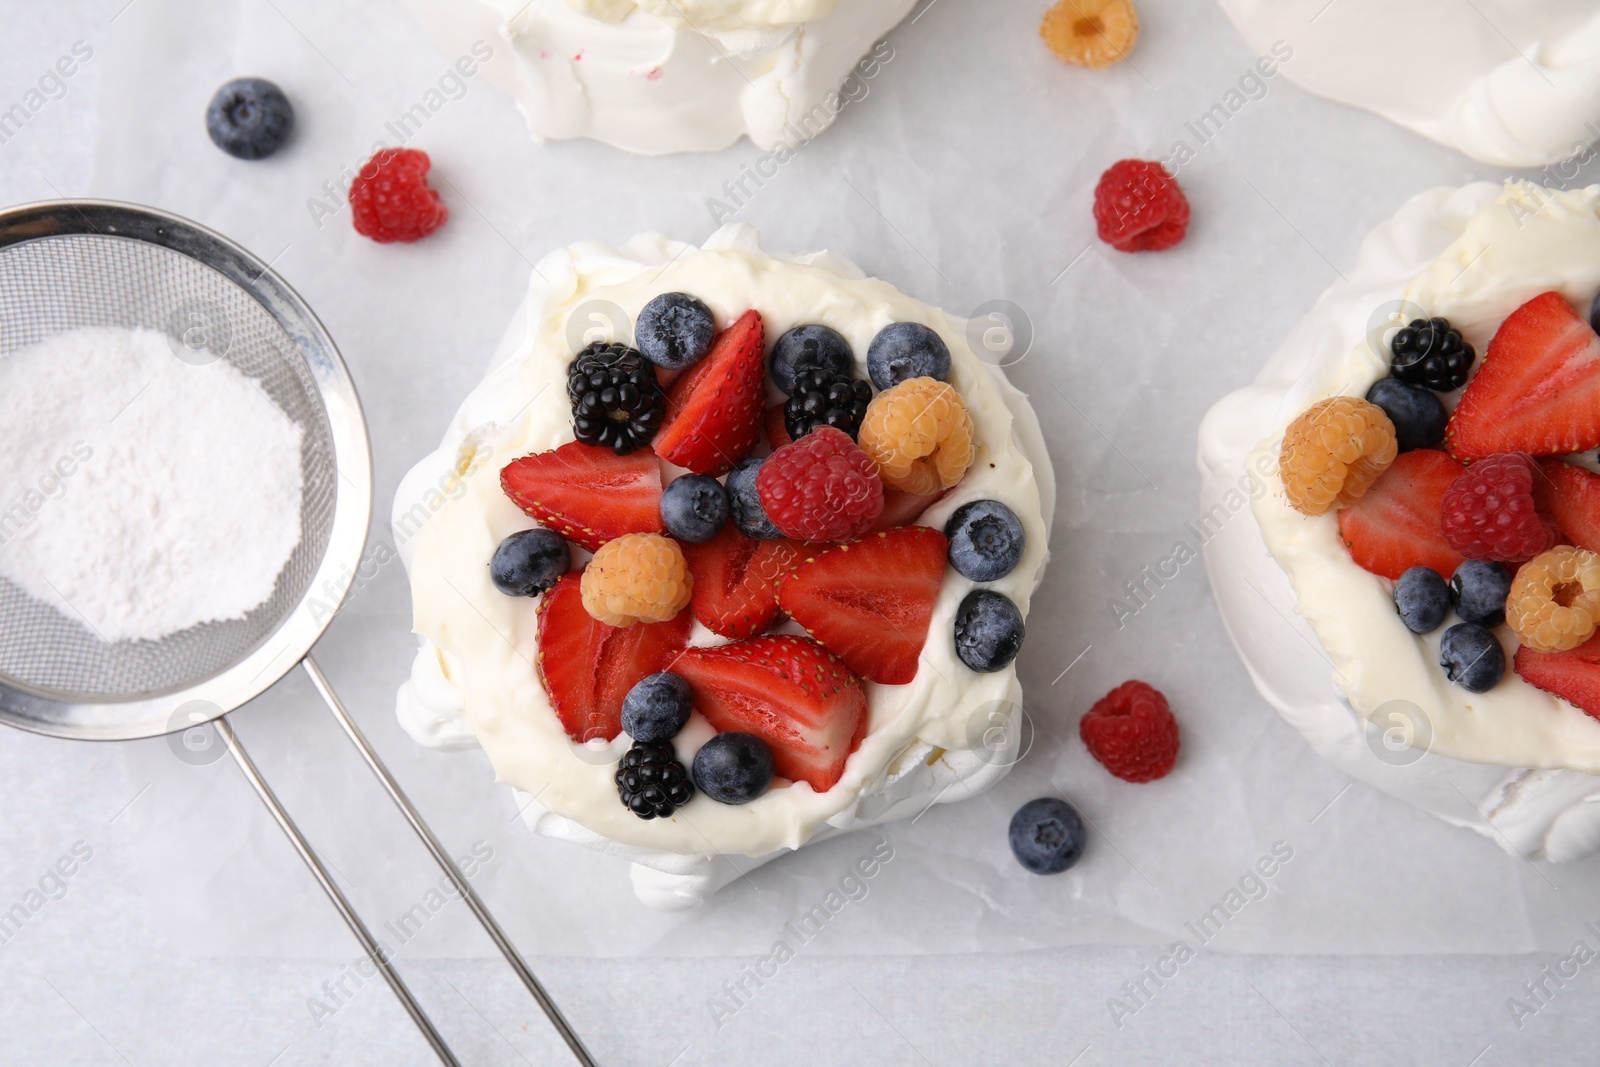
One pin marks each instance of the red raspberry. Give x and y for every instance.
(1489, 512)
(1138, 207)
(820, 488)
(390, 199)
(1132, 733)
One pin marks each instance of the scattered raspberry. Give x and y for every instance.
(920, 436)
(1555, 599)
(1334, 452)
(1489, 511)
(1138, 207)
(820, 488)
(1091, 33)
(390, 199)
(637, 578)
(1132, 733)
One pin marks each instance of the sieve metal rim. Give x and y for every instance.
(299, 629)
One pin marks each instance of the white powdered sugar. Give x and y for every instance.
(141, 494)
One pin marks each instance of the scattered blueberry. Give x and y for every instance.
(1047, 835)
(528, 563)
(986, 540)
(249, 118)
(745, 503)
(906, 350)
(656, 708)
(1422, 598)
(1479, 589)
(809, 346)
(675, 331)
(1416, 412)
(695, 508)
(733, 767)
(989, 630)
(1472, 657)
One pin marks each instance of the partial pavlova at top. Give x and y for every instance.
(713, 14)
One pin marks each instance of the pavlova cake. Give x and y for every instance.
(728, 552)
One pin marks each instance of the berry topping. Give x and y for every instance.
(820, 488)
(616, 401)
(1489, 511)
(715, 409)
(586, 494)
(530, 562)
(906, 350)
(656, 708)
(675, 331)
(1417, 413)
(1538, 389)
(1570, 496)
(1091, 33)
(1047, 835)
(1138, 207)
(744, 501)
(1334, 452)
(989, 630)
(587, 667)
(651, 781)
(1472, 657)
(1395, 525)
(1554, 603)
(1132, 733)
(805, 347)
(1431, 353)
(870, 602)
(1479, 589)
(1422, 598)
(823, 398)
(1573, 675)
(986, 540)
(1594, 313)
(249, 118)
(736, 581)
(733, 767)
(920, 436)
(637, 578)
(903, 509)
(390, 199)
(694, 508)
(788, 691)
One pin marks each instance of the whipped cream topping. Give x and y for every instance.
(715, 14)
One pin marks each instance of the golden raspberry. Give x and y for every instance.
(1091, 33)
(1555, 599)
(1334, 452)
(637, 578)
(920, 436)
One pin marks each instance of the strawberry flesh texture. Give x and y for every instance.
(588, 495)
(1395, 525)
(717, 408)
(1573, 675)
(777, 429)
(736, 581)
(902, 509)
(1570, 497)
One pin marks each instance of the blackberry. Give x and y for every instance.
(1430, 352)
(616, 401)
(823, 398)
(652, 782)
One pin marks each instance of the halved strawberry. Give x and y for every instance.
(1574, 675)
(1570, 497)
(1395, 525)
(586, 494)
(736, 581)
(902, 509)
(777, 430)
(587, 667)
(870, 601)
(715, 410)
(1538, 389)
(789, 692)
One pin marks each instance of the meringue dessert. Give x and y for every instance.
(729, 552)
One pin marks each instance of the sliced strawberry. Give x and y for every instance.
(870, 601)
(1395, 525)
(1538, 389)
(736, 581)
(586, 494)
(1570, 497)
(715, 410)
(587, 667)
(789, 692)
(1574, 675)
(902, 508)
(777, 431)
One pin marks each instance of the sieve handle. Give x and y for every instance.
(374, 952)
(446, 864)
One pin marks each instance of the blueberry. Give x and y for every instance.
(1594, 314)
(733, 768)
(986, 540)
(675, 331)
(1472, 657)
(989, 630)
(695, 508)
(1417, 413)
(1047, 835)
(906, 350)
(656, 708)
(1479, 589)
(528, 563)
(1422, 598)
(809, 346)
(249, 118)
(745, 503)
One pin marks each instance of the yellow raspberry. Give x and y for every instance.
(1555, 599)
(1091, 33)
(1334, 452)
(637, 578)
(920, 436)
